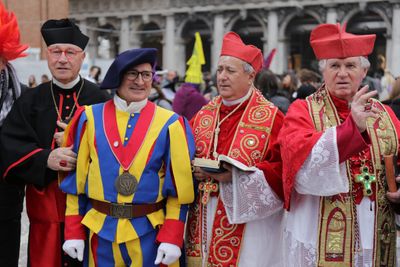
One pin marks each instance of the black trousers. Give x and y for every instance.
(11, 203)
(10, 234)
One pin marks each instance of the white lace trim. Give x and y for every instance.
(299, 254)
(321, 174)
(261, 242)
(248, 197)
(305, 254)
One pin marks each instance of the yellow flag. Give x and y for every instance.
(194, 73)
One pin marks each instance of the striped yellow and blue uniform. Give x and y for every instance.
(162, 168)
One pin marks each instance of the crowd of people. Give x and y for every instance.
(249, 168)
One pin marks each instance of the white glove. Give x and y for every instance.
(167, 254)
(74, 248)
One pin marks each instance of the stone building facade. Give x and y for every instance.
(31, 14)
(285, 25)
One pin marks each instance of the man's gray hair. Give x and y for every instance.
(365, 64)
(246, 66)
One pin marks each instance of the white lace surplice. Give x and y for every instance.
(249, 199)
(321, 175)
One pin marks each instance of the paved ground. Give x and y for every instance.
(25, 231)
(24, 239)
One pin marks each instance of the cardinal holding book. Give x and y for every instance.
(235, 220)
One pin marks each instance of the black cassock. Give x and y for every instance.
(26, 141)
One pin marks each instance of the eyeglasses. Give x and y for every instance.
(134, 74)
(69, 53)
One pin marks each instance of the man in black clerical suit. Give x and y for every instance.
(32, 134)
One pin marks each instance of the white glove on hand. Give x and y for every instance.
(74, 248)
(167, 254)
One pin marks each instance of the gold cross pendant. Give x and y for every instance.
(366, 179)
(206, 188)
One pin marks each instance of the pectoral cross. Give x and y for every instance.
(366, 179)
(206, 188)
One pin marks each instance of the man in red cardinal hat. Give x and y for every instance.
(236, 218)
(333, 144)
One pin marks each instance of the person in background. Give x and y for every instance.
(269, 85)
(44, 78)
(33, 132)
(290, 84)
(156, 94)
(394, 98)
(236, 217)
(11, 192)
(168, 85)
(210, 89)
(309, 82)
(32, 81)
(127, 200)
(385, 77)
(374, 84)
(188, 100)
(94, 74)
(332, 145)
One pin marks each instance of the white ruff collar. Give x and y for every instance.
(134, 107)
(237, 101)
(68, 85)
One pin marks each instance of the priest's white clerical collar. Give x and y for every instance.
(237, 101)
(66, 85)
(133, 107)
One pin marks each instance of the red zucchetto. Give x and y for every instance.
(10, 47)
(332, 41)
(233, 46)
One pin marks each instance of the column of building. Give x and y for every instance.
(395, 43)
(331, 15)
(282, 52)
(90, 31)
(217, 34)
(169, 56)
(124, 34)
(134, 39)
(273, 40)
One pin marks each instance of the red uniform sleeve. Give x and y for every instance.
(349, 139)
(171, 232)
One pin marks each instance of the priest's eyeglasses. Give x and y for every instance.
(134, 74)
(69, 52)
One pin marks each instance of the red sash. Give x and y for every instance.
(125, 154)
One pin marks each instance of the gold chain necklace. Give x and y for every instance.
(73, 107)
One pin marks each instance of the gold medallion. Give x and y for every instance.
(126, 184)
